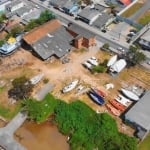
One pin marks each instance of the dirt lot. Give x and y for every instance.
(24, 63)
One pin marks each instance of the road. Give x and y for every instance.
(101, 37)
(7, 140)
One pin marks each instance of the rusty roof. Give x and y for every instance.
(39, 32)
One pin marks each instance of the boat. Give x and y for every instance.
(70, 86)
(113, 110)
(122, 100)
(130, 94)
(36, 78)
(99, 92)
(112, 60)
(98, 99)
(117, 105)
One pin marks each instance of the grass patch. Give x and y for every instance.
(145, 18)
(7, 113)
(2, 89)
(145, 145)
(132, 10)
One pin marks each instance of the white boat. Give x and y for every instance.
(130, 94)
(36, 78)
(112, 60)
(70, 86)
(122, 100)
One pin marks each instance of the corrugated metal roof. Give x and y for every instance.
(140, 112)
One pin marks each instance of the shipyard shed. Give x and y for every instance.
(139, 116)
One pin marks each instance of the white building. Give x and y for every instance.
(3, 3)
(14, 5)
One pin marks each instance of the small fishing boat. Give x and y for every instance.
(113, 110)
(117, 105)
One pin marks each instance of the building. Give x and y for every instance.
(82, 37)
(70, 7)
(50, 39)
(58, 3)
(14, 5)
(139, 116)
(145, 40)
(3, 3)
(103, 20)
(88, 15)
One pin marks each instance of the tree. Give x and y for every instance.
(2, 18)
(1, 42)
(106, 46)
(135, 56)
(39, 111)
(22, 88)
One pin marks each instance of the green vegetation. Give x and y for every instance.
(87, 129)
(101, 68)
(7, 113)
(44, 17)
(135, 56)
(40, 110)
(145, 18)
(145, 145)
(2, 18)
(22, 88)
(46, 80)
(1, 42)
(132, 10)
(15, 31)
(106, 46)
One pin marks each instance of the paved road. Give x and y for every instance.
(6, 133)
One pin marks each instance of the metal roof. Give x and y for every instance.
(81, 31)
(54, 43)
(88, 13)
(140, 112)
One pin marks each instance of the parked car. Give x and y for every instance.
(120, 49)
(133, 30)
(87, 65)
(93, 61)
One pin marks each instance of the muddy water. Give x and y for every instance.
(41, 137)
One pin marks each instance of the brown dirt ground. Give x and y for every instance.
(24, 63)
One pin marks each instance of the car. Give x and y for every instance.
(130, 35)
(133, 30)
(37, 6)
(120, 49)
(148, 62)
(93, 61)
(133, 33)
(87, 65)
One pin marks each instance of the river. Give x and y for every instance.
(41, 137)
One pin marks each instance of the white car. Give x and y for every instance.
(120, 49)
(87, 65)
(37, 6)
(93, 61)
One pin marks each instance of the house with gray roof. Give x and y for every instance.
(50, 39)
(58, 3)
(139, 116)
(88, 15)
(145, 40)
(82, 37)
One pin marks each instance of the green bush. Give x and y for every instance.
(99, 69)
(46, 80)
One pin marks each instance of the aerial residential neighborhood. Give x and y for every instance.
(74, 74)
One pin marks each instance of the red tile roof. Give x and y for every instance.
(39, 32)
(126, 2)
